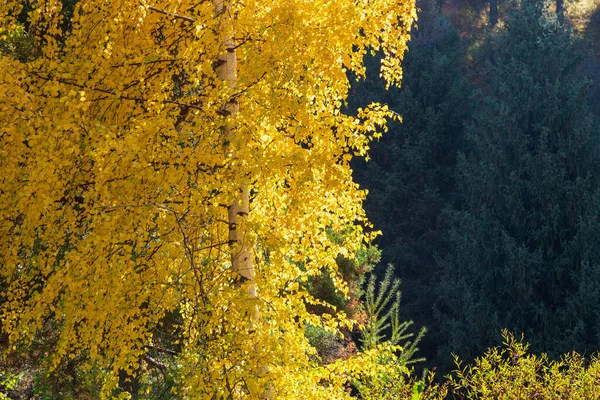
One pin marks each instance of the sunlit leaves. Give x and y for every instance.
(115, 184)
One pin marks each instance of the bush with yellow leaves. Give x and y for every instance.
(512, 373)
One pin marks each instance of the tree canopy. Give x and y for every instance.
(123, 149)
(522, 240)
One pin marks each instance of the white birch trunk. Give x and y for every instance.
(226, 69)
(241, 256)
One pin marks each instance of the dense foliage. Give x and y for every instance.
(511, 372)
(178, 216)
(173, 175)
(410, 176)
(522, 241)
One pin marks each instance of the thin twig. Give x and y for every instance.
(162, 350)
(123, 97)
(155, 363)
(170, 14)
(238, 94)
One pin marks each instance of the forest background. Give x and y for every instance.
(487, 195)
(487, 192)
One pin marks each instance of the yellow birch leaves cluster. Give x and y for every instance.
(115, 185)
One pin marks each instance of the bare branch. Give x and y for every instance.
(162, 350)
(155, 363)
(178, 16)
(120, 96)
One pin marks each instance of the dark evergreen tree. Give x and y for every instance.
(410, 177)
(523, 241)
(493, 12)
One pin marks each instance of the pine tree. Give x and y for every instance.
(382, 305)
(522, 241)
(410, 176)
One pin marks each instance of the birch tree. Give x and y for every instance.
(187, 158)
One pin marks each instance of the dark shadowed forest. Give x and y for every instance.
(487, 193)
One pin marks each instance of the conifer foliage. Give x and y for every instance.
(410, 176)
(382, 306)
(521, 242)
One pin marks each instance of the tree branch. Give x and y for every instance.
(178, 16)
(122, 97)
(167, 351)
(155, 363)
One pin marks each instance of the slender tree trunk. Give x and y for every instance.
(241, 256)
(226, 69)
(560, 10)
(493, 12)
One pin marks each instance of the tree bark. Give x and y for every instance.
(560, 10)
(241, 256)
(226, 69)
(493, 12)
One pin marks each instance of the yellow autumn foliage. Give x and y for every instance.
(511, 372)
(114, 182)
